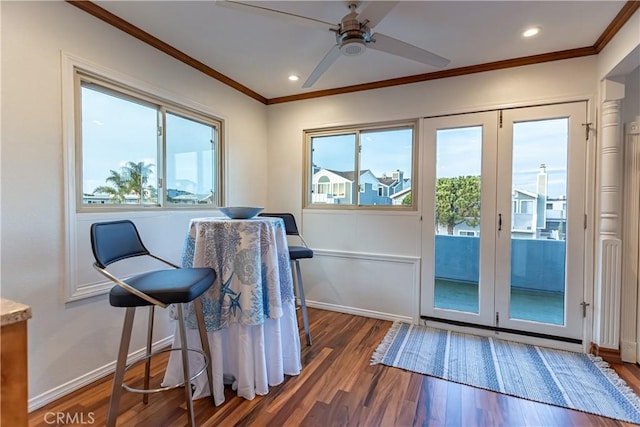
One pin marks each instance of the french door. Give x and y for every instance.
(503, 219)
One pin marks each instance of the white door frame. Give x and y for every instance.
(575, 255)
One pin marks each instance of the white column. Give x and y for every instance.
(629, 349)
(606, 333)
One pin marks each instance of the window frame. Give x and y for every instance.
(163, 107)
(79, 280)
(357, 130)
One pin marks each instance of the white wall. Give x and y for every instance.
(622, 54)
(70, 342)
(631, 101)
(383, 247)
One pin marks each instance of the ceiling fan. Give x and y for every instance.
(353, 35)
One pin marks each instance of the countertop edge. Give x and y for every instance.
(13, 312)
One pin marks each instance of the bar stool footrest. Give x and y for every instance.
(171, 387)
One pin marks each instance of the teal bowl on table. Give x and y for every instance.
(240, 212)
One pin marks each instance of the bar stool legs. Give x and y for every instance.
(147, 364)
(121, 364)
(185, 367)
(303, 302)
(204, 341)
(118, 378)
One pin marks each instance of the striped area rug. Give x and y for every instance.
(562, 378)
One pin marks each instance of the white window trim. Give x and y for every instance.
(73, 289)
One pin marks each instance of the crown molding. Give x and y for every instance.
(612, 29)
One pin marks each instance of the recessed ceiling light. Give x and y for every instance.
(530, 32)
(294, 78)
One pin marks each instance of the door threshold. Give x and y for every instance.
(526, 337)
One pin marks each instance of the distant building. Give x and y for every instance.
(173, 196)
(338, 187)
(104, 198)
(524, 214)
(397, 198)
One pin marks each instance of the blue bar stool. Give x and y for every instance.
(118, 240)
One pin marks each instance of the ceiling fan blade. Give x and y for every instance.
(406, 50)
(291, 17)
(375, 11)
(323, 66)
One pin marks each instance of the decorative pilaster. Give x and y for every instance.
(629, 350)
(606, 333)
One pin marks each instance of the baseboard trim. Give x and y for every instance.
(90, 377)
(609, 355)
(360, 312)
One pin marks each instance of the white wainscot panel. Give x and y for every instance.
(371, 285)
(163, 233)
(378, 232)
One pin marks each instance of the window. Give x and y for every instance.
(323, 185)
(526, 206)
(338, 189)
(135, 150)
(360, 166)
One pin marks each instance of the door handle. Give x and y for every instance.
(499, 222)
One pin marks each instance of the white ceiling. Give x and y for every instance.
(260, 51)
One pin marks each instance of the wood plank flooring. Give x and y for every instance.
(337, 387)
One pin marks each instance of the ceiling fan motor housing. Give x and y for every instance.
(353, 39)
(352, 35)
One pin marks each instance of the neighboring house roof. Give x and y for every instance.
(401, 193)
(348, 175)
(526, 193)
(387, 180)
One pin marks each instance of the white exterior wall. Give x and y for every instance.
(72, 342)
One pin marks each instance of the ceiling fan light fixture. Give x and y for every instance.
(353, 47)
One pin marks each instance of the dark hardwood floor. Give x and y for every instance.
(337, 387)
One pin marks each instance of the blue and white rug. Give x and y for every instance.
(562, 378)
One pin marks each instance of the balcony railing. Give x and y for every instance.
(536, 264)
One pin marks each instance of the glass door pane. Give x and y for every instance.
(541, 205)
(458, 209)
(539, 202)
(457, 218)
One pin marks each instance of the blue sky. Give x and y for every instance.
(116, 132)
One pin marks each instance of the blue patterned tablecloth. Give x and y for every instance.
(251, 260)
